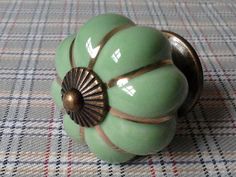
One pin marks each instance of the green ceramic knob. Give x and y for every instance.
(121, 86)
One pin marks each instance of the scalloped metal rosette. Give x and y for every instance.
(90, 107)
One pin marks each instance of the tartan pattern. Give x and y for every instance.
(32, 139)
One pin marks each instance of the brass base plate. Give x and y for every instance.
(186, 59)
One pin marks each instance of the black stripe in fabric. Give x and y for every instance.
(203, 110)
(20, 142)
(7, 111)
(199, 153)
(209, 127)
(14, 84)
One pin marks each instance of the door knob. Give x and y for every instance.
(122, 86)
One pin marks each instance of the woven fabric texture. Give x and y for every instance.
(32, 139)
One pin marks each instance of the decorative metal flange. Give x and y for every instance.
(186, 59)
(84, 97)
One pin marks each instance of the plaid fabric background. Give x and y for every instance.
(32, 139)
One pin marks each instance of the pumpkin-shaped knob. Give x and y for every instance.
(120, 87)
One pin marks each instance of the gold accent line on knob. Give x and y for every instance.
(104, 41)
(138, 72)
(72, 59)
(107, 140)
(144, 120)
(81, 134)
(58, 79)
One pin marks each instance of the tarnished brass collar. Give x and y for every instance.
(186, 59)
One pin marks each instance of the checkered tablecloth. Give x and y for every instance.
(32, 140)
